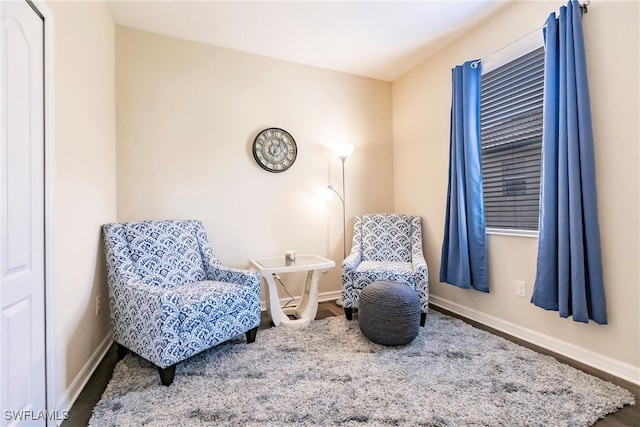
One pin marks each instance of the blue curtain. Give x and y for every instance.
(569, 266)
(464, 248)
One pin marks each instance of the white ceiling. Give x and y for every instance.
(378, 39)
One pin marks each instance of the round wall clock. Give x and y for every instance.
(274, 149)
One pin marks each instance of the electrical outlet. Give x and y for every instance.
(521, 289)
(98, 301)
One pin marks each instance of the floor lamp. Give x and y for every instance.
(342, 152)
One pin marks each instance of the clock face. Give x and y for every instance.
(274, 150)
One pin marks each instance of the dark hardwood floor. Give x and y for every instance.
(80, 413)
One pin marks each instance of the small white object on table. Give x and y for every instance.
(304, 312)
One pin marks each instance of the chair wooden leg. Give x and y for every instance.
(348, 312)
(423, 319)
(121, 351)
(167, 374)
(251, 335)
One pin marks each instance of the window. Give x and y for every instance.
(511, 94)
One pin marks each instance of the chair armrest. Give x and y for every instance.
(135, 296)
(150, 313)
(422, 276)
(234, 275)
(349, 265)
(419, 263)
(351, 262)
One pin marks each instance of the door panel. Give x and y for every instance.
(16, 324)
(22, 321)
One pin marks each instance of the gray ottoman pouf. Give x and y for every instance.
(389, 313)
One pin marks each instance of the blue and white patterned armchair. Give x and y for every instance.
(170, 297)
(386, 247)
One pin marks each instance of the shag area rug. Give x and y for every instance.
(329, 374)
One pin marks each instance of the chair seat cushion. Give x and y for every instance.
(370, 271)
(389, 313)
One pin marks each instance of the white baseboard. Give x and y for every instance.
(322, 297)
(603, 363)
(75, 388)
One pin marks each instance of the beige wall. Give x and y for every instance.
(187, 114)
(421, 108)
(84, 184)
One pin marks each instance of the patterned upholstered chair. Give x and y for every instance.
(170, 297)
(386, 247)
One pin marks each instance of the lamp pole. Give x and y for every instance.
(342, 155)
(342, 152)
(344, 229)
(344, 212)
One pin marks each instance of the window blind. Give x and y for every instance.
(511, 136)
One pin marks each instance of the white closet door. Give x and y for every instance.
(22, 302)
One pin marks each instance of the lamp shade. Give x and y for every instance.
(343, 151)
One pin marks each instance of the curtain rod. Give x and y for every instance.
(584, 8)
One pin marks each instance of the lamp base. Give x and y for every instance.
(339, 302)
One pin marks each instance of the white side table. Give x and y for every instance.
(304, 312)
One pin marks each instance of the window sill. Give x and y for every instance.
(515, 233)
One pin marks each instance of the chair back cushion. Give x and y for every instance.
(386, 237)
(166, 253)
